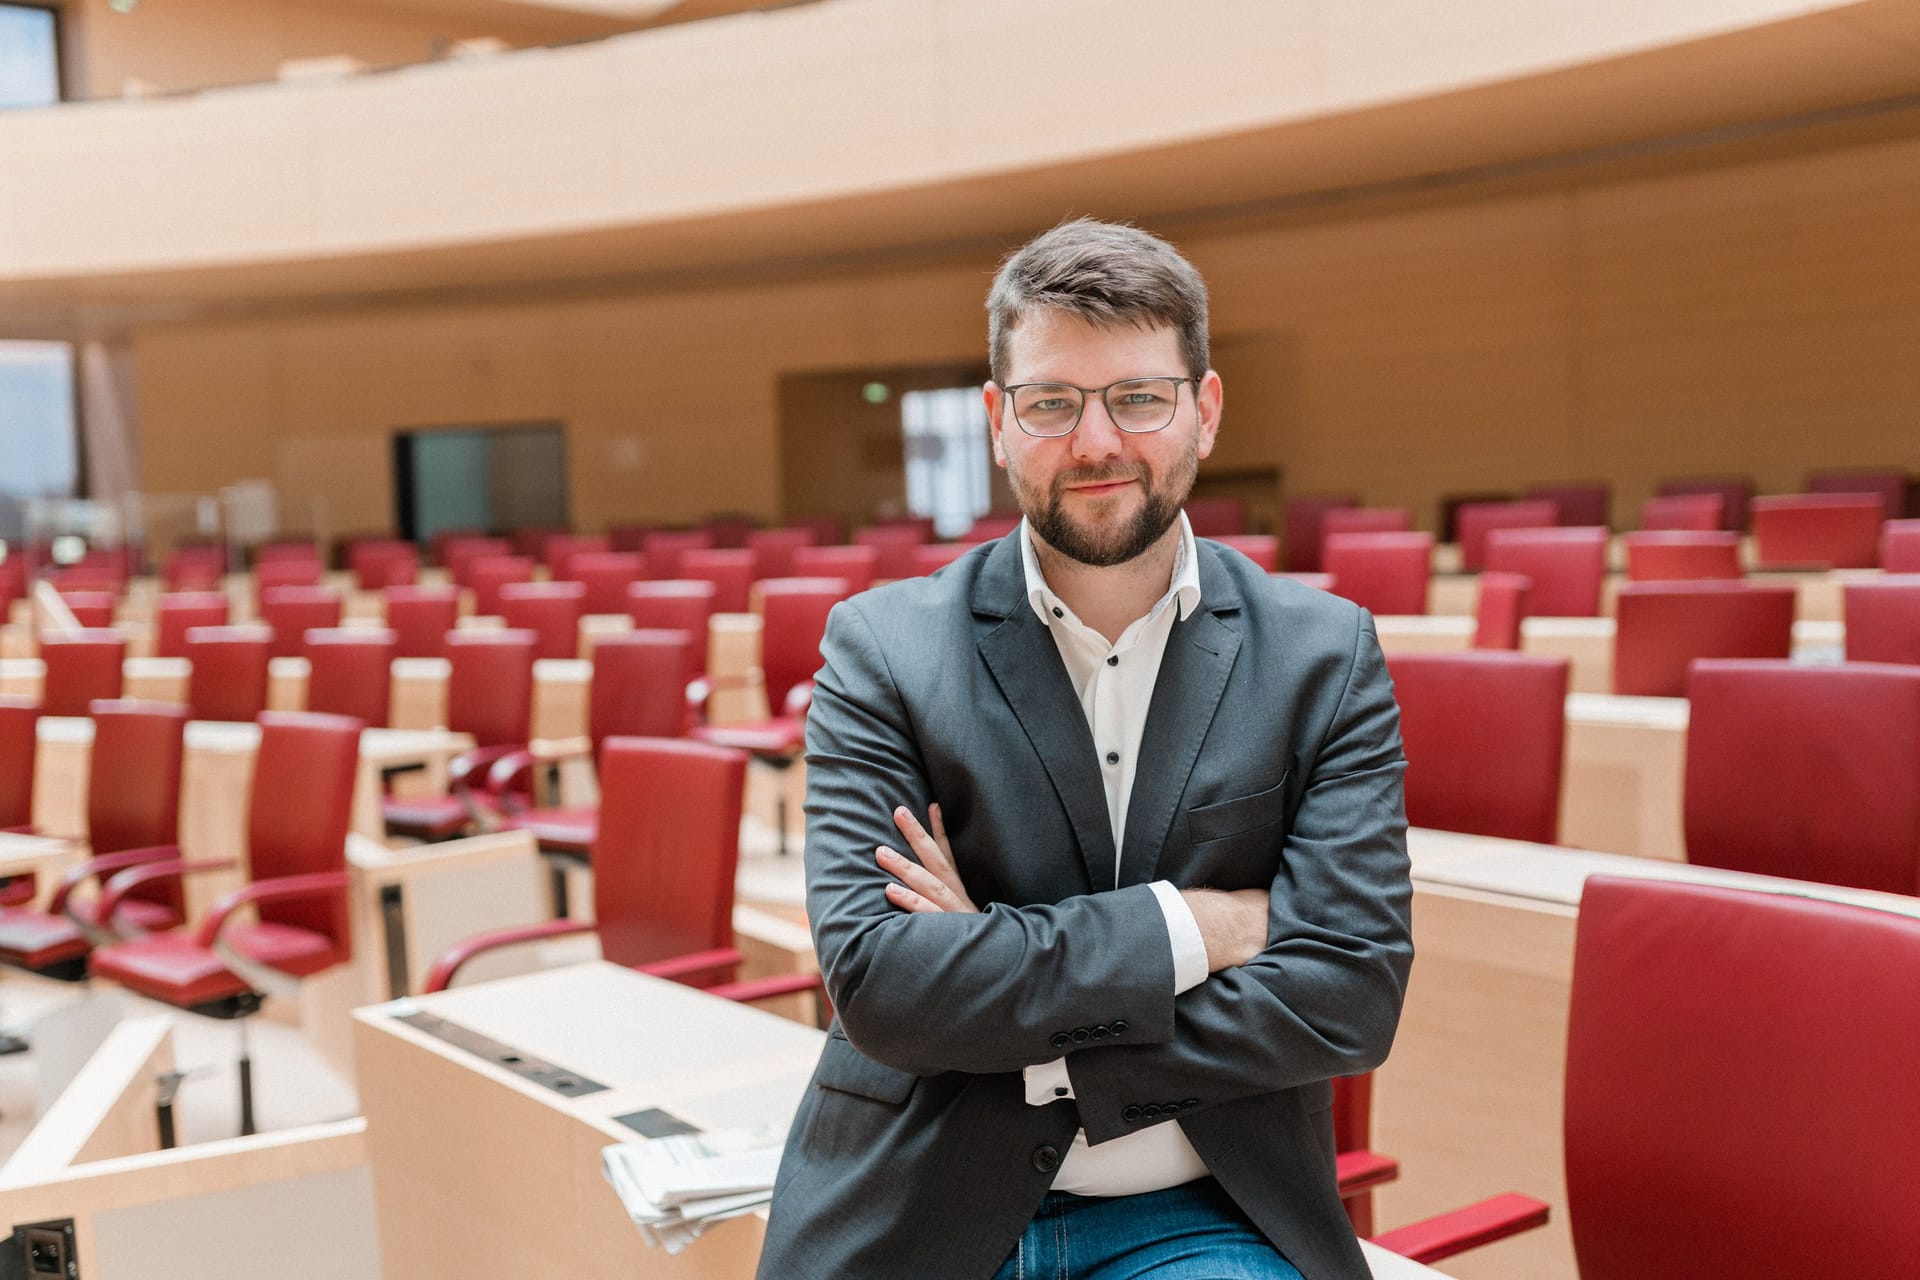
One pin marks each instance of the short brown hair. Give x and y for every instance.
(1107, 273)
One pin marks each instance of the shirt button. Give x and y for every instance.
(1061, 1091)
(1046, 1159)
(1113, 757)
(1058, 612)
(1113, 659)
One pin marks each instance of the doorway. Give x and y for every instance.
(470, 478)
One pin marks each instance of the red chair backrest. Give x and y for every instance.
(640, 683)
(1261, 548)
(13, 583)
(628, 537)
(194, 568)
(458, 552)
(1695, 512)
(561, 548)
(989, 528)
(297, 817)
(92, 609)
(531, 540)
(1677, 555)
(858, 565)
(1887, 484)
(664, 547)
(1473, 521)
(381, 563)
(1567, 567)
(286, 552)
(606, 575)
(19, 747)
(551, 610)
(1483, 733)
(794, 613)
(1806, 771)
(1739, 1097)
(1734, 492)
(294, 611)
(1818, 530)
(1217, 517)
(1576, 504)
(1364, 520)
(1500, 610)
(273, 575)
(730, 570)
(1661, 627)
(490, 686)
(133, 786)
(178, 612)
(420, 618)
(486, 575)
(667, 847)
(729, 532)
(81, 666)
(674, 605)
(935, 556)
(1900, 546)
(1385, 573)
(773, 550)
(893, 546)
(1302, 528)
(828, 530)
(229, 680)
(1883, 619)
(350, 672)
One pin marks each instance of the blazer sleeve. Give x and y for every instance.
(929, 993)
(1323, 999)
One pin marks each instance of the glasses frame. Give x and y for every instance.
(1085, 394)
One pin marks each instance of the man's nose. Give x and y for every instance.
(1096, 436)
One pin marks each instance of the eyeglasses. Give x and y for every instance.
(1052, 409)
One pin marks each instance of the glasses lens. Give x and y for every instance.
(1045, 409)
(1145, 404)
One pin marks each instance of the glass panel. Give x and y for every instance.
(948, 462)
(29, 57)
(38, 454)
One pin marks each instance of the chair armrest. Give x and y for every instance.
(798, 699)
(1446, 1234)
(440, 977)
(689, 966)
(314, 884)
(784, 984)
(104, 863)
(118, 887)
(507, 769)
(1357, 1171)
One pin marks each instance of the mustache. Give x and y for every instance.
(1099, 475)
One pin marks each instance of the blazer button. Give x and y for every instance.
(1150, 1111)
(1190, 1104)
(1046, 1159)
(1098, 1033)
(1080, 1035)
(1130, 1114)
(1061, 1039)
(1117, 1026)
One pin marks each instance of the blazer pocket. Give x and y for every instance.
(1244, 813)
(846, 1069)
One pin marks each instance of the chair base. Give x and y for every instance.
(243, 1005)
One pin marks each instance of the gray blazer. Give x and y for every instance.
(1271, 758)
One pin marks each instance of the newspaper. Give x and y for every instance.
(674, 1188)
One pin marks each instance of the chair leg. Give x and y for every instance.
(246, 1084)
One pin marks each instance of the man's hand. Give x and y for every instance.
(1233, 925)
(933, 883)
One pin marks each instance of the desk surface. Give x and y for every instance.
(20, 854)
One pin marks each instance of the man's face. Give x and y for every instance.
(1100, 495)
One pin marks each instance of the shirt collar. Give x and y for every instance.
(1183, 587)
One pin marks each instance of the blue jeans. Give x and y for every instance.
(1190, 1232)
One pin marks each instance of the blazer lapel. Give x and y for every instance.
(1193, 676)
(1026, 665)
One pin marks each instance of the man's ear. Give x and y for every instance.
(994, 398)
(1209, 397)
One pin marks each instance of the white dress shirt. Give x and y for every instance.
(1114, 683)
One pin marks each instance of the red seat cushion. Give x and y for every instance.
(568, 830)
(36, 940)
(168, 966)
(781, 735)
(429, 817)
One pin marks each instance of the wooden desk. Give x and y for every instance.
(1471, 1100)
(32, 855)
(1623, 776)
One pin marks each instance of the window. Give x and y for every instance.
(29, 56)
(948, 463)
(39, 455)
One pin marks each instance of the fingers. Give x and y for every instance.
(916, 880)
(932, 852)
(907, 900)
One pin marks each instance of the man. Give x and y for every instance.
(1160, 898)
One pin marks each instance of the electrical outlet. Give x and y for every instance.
(41, 1251)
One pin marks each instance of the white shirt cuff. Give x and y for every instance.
(1183, 932)
(1047, 1082)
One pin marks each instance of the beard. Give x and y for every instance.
(1111, 542)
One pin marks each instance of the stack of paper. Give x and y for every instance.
(675, 1187)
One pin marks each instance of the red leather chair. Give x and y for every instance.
(1576, 505)
(858, 565)
(290, 571)
(1818, 530)
(729, 569)
(531, 540)
(193, 567)
(664, 547)
(773, 550)
(1386, 573)
(560, 549)
(663, 870)
(1682, 555)
(1261, 548)
(229, 680)
(1567, 567)
(1483, 733)
(379, 563)
(486, 575)
(1215, 517)
(674, 605)
(992, 527)
(1364, 520)
(81, 667)
(828, 530)
(1735, 494)
(1501, 608)
(1900, 546)
(294, 611)
(1806, 772)
(457, 552)
(934, 556)
(1302, 528)
(729, 532)
(297, 819)
(13, 584)
(177, 612)
(1475, 520)
(551, 610)
(1686, 512)
(420, 618)
(133, 818)
(606, 575)
(489, 695)
(1661, 627)
(350, 672)
(1888, 484)
(893, 545)
(1883, 619)
(19, 747)
(91, 609)
(285, 551)
(1738, 1093)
